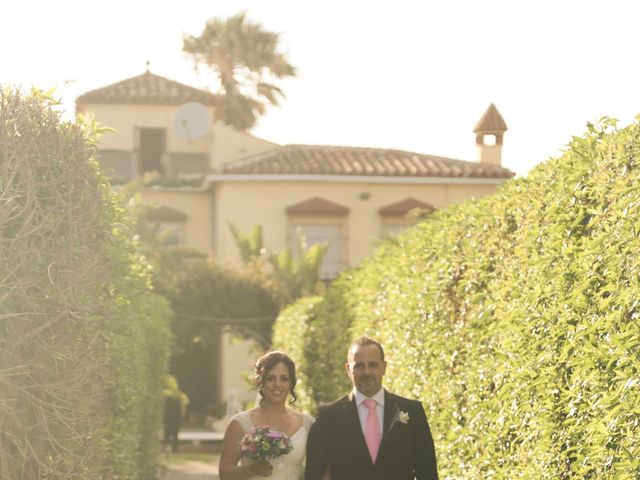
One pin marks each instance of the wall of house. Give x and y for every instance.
(247, 204)
(221, 143)
(196, 205)
(229, 145)
(124, 119)
(237, 368)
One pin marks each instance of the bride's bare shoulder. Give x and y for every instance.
(295, 413)
(303, 419)
(254, 413)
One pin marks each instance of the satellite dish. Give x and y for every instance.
(191, 121)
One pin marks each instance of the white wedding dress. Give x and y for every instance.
(290, 466)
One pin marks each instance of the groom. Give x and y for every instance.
(370, 434)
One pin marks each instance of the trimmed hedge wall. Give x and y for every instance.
(513, 318)
(83, 341)
(315, 332)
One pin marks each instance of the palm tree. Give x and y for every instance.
(246, 60)
(294, 273)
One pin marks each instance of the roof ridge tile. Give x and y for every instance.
(147, 89)
(359, 161)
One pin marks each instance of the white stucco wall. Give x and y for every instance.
(125, 118)
(196, 205)
(247, 204)
(229, 145)
(237, 369)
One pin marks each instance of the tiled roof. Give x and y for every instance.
(329, 160)
(405, 206)
(317, 206)
(491, 121)
(147, 89)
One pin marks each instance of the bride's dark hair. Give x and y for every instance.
(266, 363)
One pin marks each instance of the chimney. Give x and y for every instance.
(489, 132)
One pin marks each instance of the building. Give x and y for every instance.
(212, 174)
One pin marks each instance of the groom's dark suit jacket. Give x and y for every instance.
(336, 440)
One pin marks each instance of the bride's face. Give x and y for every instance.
(277, 384)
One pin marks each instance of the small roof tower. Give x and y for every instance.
(489, 135)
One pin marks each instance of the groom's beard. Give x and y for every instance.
(368, 385)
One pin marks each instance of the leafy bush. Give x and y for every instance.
(314, 331)
(515, 319)
(291, 333)
(83, 341)
(205, 298)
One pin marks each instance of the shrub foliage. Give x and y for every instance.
(513, 318)
(207, 299)
(83, 341)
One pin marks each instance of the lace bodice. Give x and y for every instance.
(290, 466)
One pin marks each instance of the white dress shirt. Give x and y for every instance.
(363, 411)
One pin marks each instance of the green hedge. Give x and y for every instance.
(515, 319)
(83, 340)
(315, 332)
(292, 334)
(207, 298)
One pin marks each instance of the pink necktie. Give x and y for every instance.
(372, 429)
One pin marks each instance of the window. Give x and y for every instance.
(400, 215)
(168, 223)
(171, 233)
(151, 150)
(392, 227)
(117, 164)
(321, 221)
(322, 233)
(488, 139)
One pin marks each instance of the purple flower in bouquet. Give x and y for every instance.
(264, 444)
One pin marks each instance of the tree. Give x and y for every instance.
(84, 342)
(251, 245)
(206, 299)
(247, 63)
(292, 274)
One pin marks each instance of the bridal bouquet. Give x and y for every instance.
(264, 444)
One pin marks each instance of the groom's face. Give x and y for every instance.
(366, 368)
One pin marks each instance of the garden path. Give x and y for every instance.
(190, 471)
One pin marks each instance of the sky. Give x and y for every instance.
(412, 75)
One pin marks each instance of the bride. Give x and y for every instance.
(275, 378)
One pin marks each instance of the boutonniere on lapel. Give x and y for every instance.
(399, 417)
